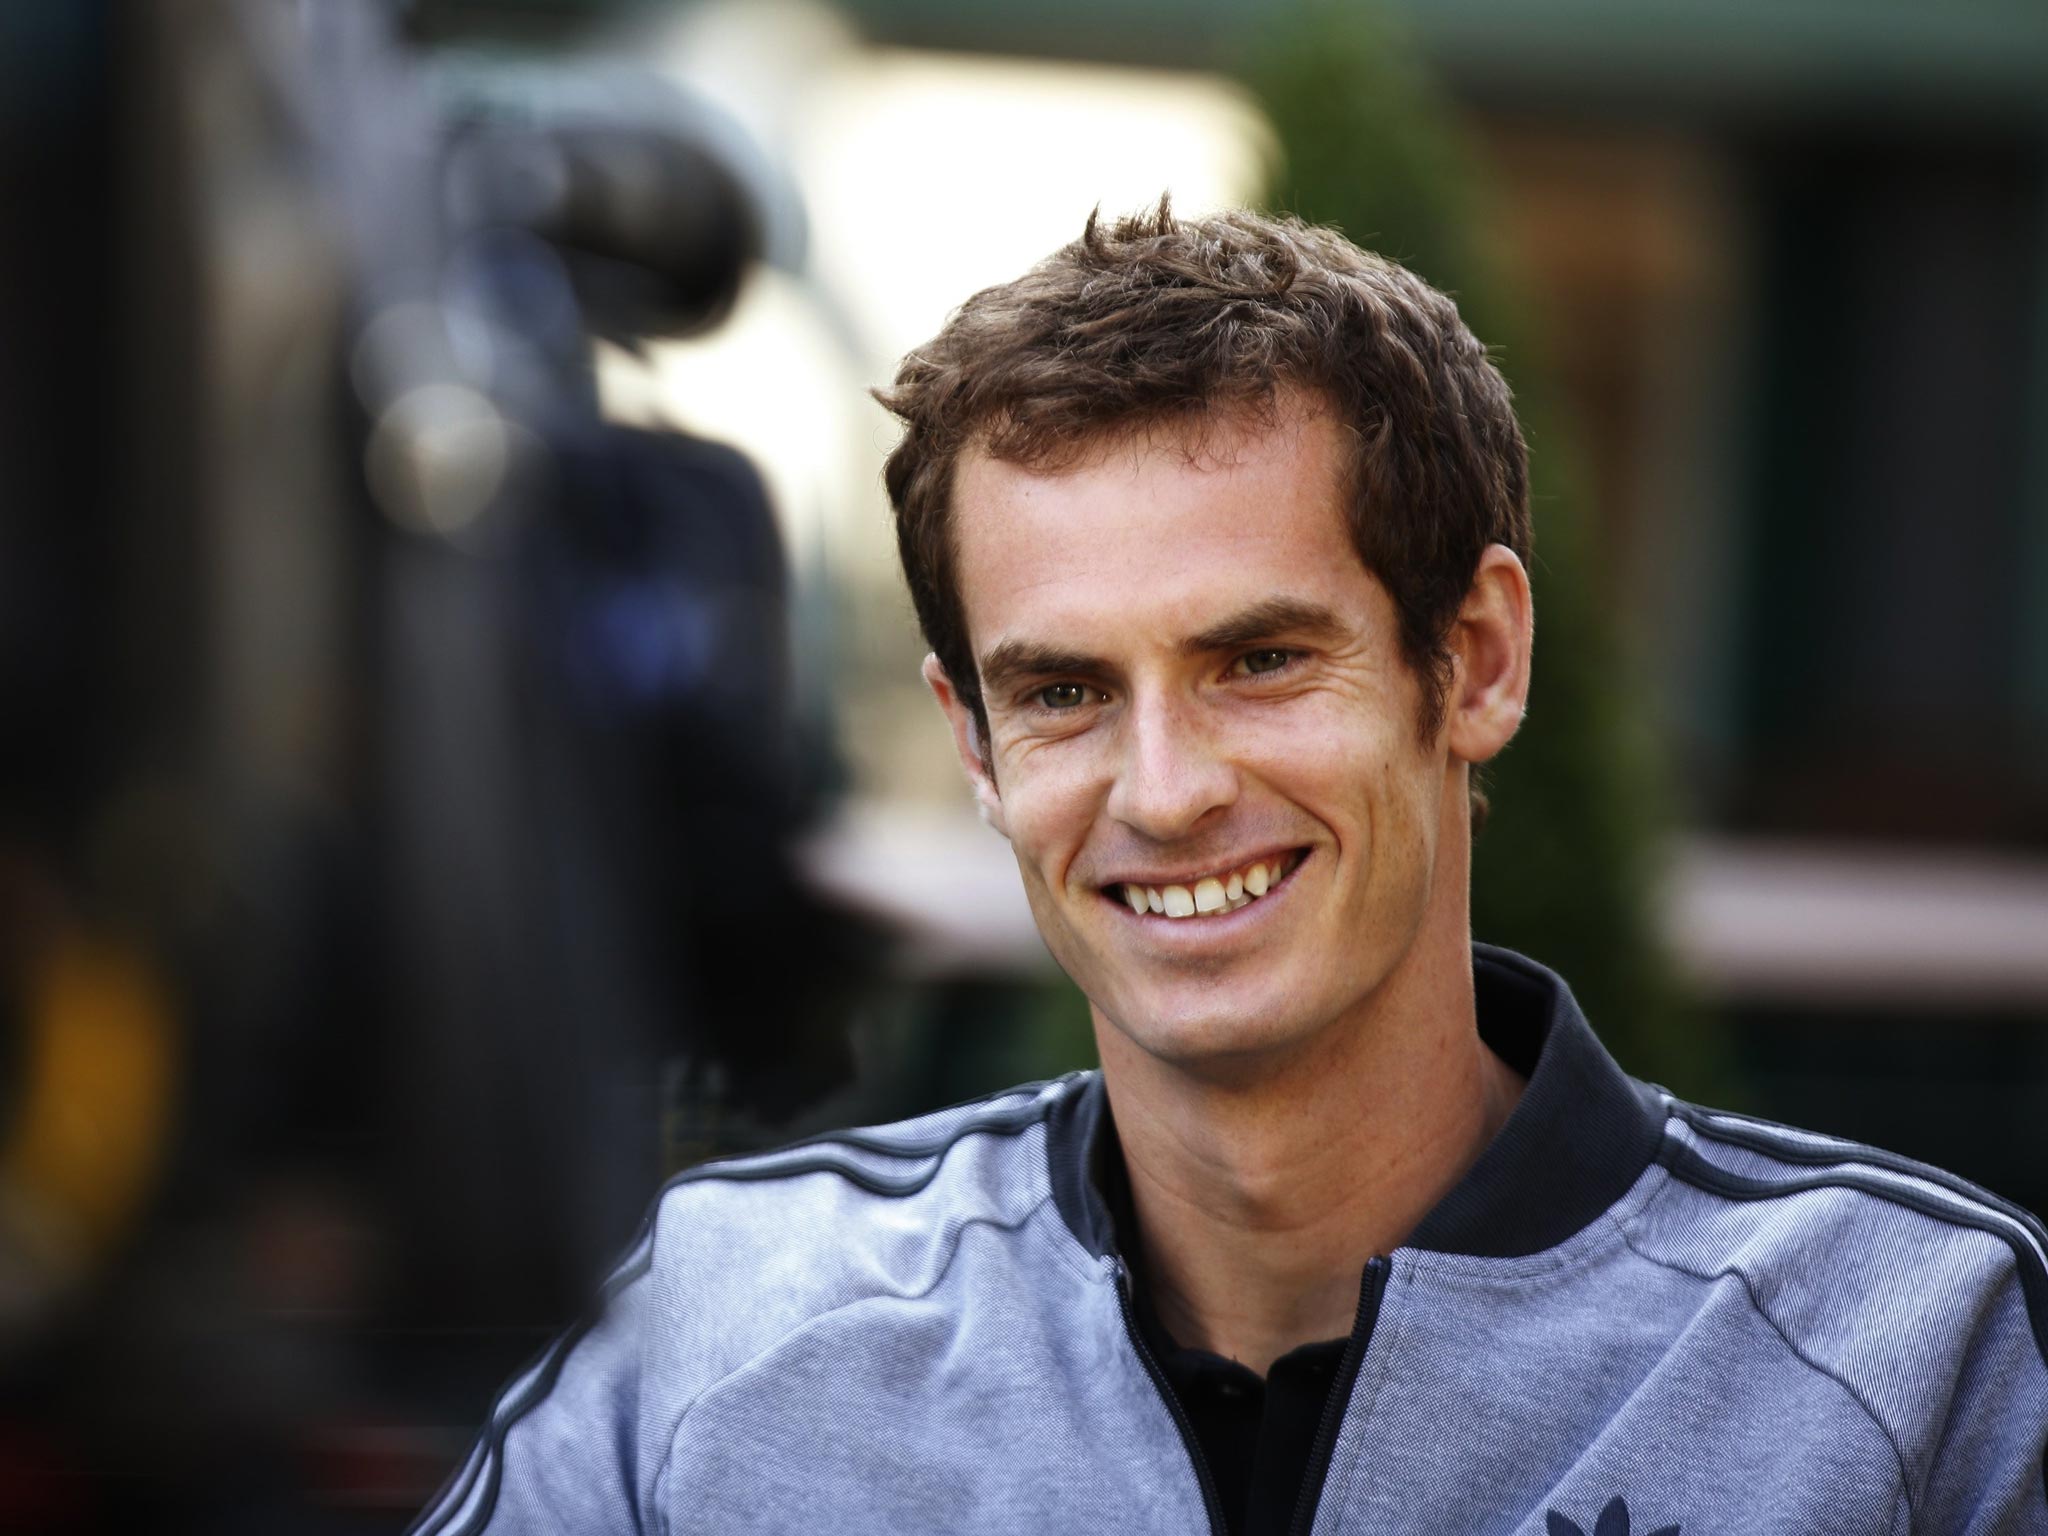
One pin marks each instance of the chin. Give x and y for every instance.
(1205, 1039)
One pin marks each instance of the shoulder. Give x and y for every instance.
(1797, 1205)
(983, 1156)
(742, 1252)
(1925, 1295)
(736, 1258)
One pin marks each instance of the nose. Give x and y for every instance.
(1171, 772)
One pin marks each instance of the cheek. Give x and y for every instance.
(1367, 782)
(1404, 831)
(1048, 806)
(1329, 757)
(1407, 810)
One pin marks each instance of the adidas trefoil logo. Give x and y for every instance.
(1613, 1521)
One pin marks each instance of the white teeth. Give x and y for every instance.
(1210, 894)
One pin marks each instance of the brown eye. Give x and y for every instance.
(1063, 695)
(1267, 661)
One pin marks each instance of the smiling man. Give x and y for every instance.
(1242, 820)
(1218, 531)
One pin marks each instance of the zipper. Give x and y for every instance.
(1372, 1286)
(1210, 1501)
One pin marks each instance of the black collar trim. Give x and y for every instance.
(1582, 1134)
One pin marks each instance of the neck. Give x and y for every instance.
(1259, 1197)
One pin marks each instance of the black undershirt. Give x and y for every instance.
(1256, 1435)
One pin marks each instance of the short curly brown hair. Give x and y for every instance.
(1154, 319)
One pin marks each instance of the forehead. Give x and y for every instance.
(1157, 532)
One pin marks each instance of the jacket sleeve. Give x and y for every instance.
(1989, 1474)
(561, 1448)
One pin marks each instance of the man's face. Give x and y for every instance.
(1189, 676)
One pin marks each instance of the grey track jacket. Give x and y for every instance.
(1632, 1316)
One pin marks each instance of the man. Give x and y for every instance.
(1218, 532)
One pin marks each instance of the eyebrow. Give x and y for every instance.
(1014, 661)
(1266, 620)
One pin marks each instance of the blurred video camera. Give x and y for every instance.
(413, 763)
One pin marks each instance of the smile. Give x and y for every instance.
(1208, 895)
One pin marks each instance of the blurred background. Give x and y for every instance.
(464, 751)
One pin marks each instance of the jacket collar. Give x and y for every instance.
(1580, 1136)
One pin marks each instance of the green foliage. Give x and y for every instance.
(1567, 868)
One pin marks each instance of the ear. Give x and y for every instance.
(967, 741)
(1490, 643)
